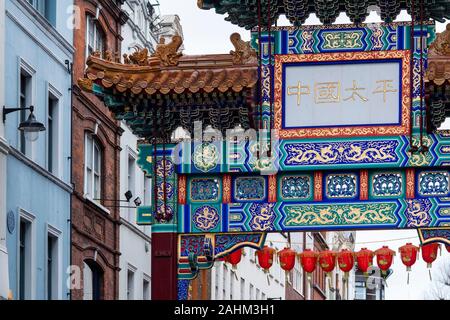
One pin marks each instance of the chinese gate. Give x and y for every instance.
(346, 139)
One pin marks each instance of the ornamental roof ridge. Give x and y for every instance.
(438, 70)
(168, 70)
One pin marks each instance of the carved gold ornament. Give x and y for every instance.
(441, 46)
(85, 84)
(140, 57)
(243, 53)
(168, 53)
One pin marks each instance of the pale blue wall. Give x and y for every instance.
(45, 49)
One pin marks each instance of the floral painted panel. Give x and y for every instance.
(388, 184)
(205, 190)
(250, 189)
(434, 183)
(341, 186)
(296, 187)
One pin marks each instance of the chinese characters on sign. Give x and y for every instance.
(330, 92)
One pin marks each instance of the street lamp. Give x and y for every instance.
(30, 127)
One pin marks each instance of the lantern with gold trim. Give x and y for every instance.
(385, 257)
(308, 261)
(265, 258)
(287, 259)
(429, 254)
(327, 261)
(364, 259)
(408, 254)
(234, 258)
(346, 261)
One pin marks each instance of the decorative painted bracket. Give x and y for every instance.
(144, 216)
(210, 247)
(430, 235)
(198, 252)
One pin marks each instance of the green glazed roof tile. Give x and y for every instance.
(251, 13)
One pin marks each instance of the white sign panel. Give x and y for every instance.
(346, 93)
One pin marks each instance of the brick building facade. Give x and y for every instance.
(95, 163)
(299, 286)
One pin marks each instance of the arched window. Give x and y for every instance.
(95, 37)
(92, 167)
(92, 281)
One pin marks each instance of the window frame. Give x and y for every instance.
(131, 287)
(98, 33)
(97, 280)
(56, 234)
(55, 96)
(96, 146)
(30, 276)
(40, 6)
(26, 70)
(146, 280)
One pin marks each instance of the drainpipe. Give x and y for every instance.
(4, 274)
(69, 222)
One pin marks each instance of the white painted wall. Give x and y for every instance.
(338, 241)
(135, 248)
(135, 241)
(170, 26)
(138, 29)
(4, 279)
(248, 273)
(238, 282)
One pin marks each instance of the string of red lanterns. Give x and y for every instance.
(345, 259)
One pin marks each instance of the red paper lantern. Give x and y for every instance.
(234, 258)
(447, 247)
(385, 257)
(287, 259)
(430, 252)
(265, 257)
(327, 261)
(346, 261)
(408, 253)
(364, 258)
(308, 260)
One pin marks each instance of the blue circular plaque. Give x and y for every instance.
(11, 221)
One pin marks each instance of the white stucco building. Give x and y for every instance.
(343, 289)
(248, 281)
(141, 31)
(170, 26)
(135, 242)
(143, 27)
(4, 282)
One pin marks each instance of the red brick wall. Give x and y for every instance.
(95, 233)
(319, 278)
(292, 294)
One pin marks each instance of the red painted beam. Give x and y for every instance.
(164, 266)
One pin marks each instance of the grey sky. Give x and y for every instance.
(419, 281)
(207, 32)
